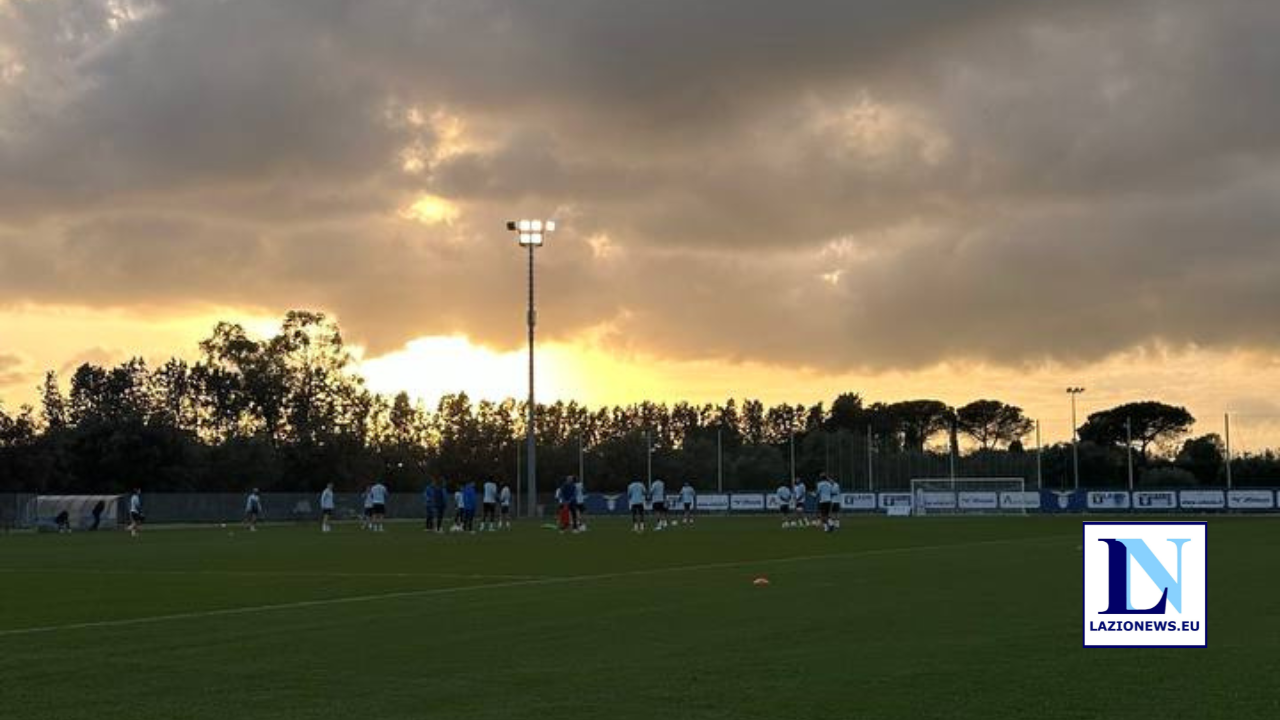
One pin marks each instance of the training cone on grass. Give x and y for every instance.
(760, 581)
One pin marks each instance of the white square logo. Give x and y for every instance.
(1145, 584)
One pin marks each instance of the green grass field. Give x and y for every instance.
(918, 618)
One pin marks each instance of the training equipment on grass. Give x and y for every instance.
(971, 496)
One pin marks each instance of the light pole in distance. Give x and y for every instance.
(1075, 437)
(530, 234)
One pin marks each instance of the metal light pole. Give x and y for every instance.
(793, 457)
(1075, 436)
(648, 458)
(719, 464)
(1039, 459)
(1128, 448)
(530, 234)
(1226, 425)
(871, 480)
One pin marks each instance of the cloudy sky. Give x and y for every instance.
(919, 198)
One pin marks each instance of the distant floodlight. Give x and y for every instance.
(531, 233)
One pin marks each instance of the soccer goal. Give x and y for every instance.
(84, 512)
(971, 496)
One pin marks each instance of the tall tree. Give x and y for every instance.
(920, 420)
(1147, 422)
(991, 422)
(53, 404)
(753, 422)
(846, 413)
(1204, 457)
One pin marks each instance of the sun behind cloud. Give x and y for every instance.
(430, 367)
(432, 210)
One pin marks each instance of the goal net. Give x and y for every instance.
(42, 511)
(971, 496)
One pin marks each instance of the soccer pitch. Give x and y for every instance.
(918, 618)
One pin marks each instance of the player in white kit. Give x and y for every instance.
(378, 499)
(783, 494)
(135, 512)
(489, 514)
(580, 504)
(252, 509)
(799, 496)
(504, 502)
(658, 501)
(824, 501)
(687, 498)
(326, 508)
(635, 499)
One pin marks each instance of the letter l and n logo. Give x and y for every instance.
(1120, 599)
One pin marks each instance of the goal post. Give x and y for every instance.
(971, 496)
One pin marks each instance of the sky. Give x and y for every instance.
(923, 198)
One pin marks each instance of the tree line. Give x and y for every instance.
(289, 412)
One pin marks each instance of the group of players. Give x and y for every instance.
(792, 501)
(495, 506)
(494, 503)
(656, 495)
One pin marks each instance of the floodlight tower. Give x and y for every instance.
(530, 234)
(1075, 436)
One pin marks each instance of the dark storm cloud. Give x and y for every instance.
(836, 184)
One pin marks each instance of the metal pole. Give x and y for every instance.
(871, 480)
(518, 493)
(719, 464)
(648, 457)
(1128, 447)
(582, 472)
(1039, 459)
(1075, 443)
(1226, 421)
(532, 463)
(793, 457)
(951, 458)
